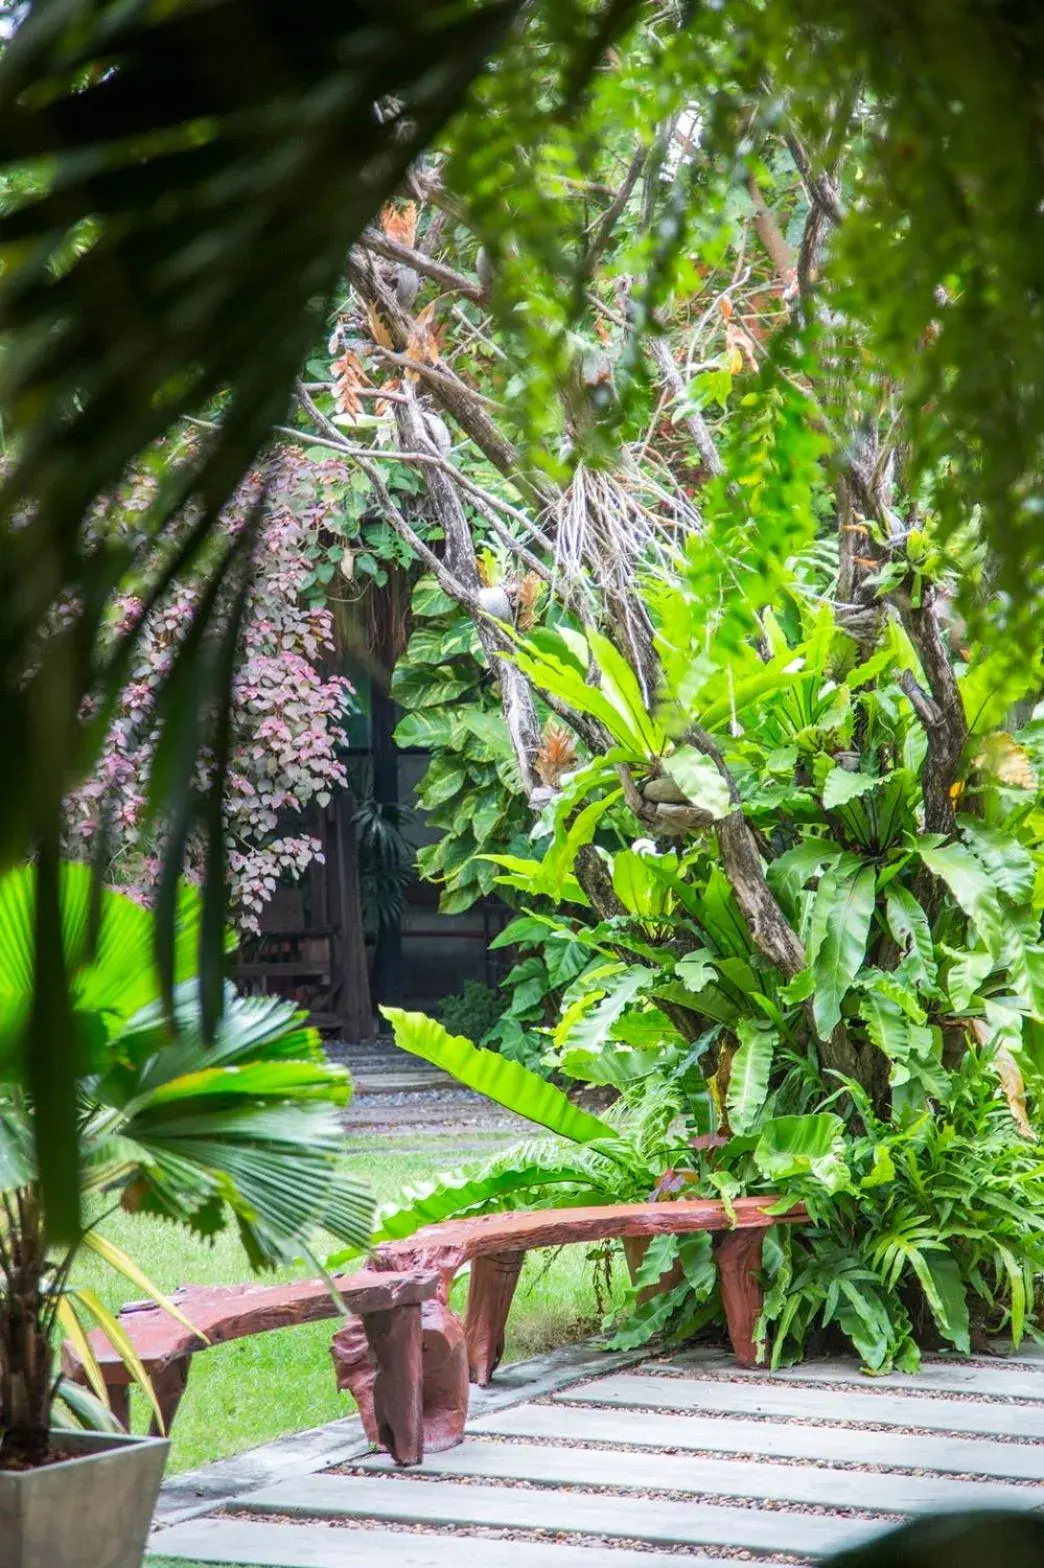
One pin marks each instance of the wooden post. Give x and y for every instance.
(353, 996)
(738, 1255)
(119, 1402)
(395, 1339)
(493, 1281)
(444, 1378)
(168, 1386)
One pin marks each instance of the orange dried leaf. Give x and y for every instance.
(400, 223)
(1011, 1081)
(557, 755)
(527, 597)
(378, 331)
(1005, 760)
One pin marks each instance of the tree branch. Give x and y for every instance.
(772, 238)
(942, 715)
(660, 353)
(447, 277)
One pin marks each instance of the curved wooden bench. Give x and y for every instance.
(496, 1245)
(391, 1307)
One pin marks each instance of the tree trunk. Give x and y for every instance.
(25, 1351)
(353, 994)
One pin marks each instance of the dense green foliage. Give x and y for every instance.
(163, 249)
(243, 1132)
(783, 884)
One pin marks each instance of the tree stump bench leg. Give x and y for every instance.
(119, 1402)
(493, 1281)
(443, 1378)
(395, 1338)
(168, 1387)
(738, 1255)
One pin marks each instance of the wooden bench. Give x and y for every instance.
(417, 1381)
(405, 1356)
(495, 1245)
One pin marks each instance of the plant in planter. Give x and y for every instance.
(242, 1131)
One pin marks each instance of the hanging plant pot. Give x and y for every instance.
(93, 1507)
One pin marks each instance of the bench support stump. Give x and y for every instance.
(738, 1255)
(493, 1280)
(168, 1387)
(444, 1376)
(395, 1339)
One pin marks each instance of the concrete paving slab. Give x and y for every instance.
(460, 1506)
(824, 1487)
(326, 1546)
(776, 1397)
(772, 1439)
(1015, 1380)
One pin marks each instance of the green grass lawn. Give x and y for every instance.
(252, 1390)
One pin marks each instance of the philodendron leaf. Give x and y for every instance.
(696, 970)
(909, 926)
(841, 915)
(749, 1076)
(699, 781)
(841, 786)
(965, 976)
(813, 1146)
(508, 1083)
(971, 886)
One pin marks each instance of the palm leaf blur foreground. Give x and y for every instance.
(192, 177)
(245, 1130)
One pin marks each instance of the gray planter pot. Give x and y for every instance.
(92, 1510)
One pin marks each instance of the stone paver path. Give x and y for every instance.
(638, 1466)
(399, 1094)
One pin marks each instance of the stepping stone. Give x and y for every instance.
(770, 1397)
(778, 1440)
(1017, 1381)
(513, 1508)
(399, 1083)
(824, 1487)
(326, 1546)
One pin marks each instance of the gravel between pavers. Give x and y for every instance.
(773, 1505)
(870, 1386)
(784, 1461)
(768, 1419)
(479, 1532)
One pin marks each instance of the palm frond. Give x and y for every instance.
(195, 176)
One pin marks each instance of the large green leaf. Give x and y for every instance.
(1009, 863)
(749, 1074)
(971, 886)
(909, 926)
(588, 1022)
(108, 986)
(796, 867)
(621, 687)
(841, 786)
(791, 1146)
(508, 1083)
(553, 669)
(841, 916)
(1024, 957)
(500, 1184)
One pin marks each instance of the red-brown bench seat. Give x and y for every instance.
(496, 1245)
(388, 1305)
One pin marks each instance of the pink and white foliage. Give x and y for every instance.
(287, 719)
